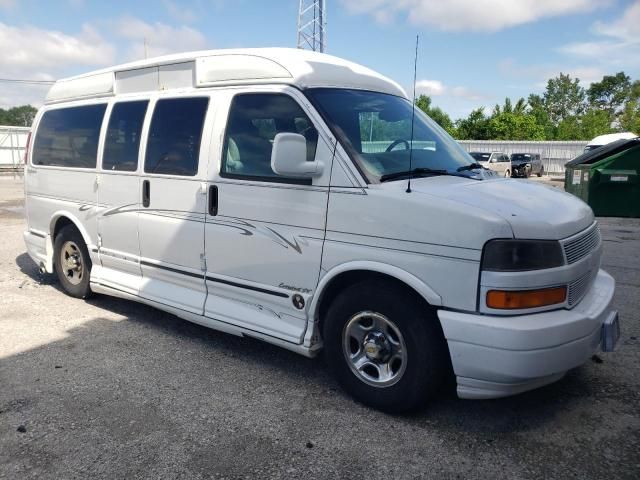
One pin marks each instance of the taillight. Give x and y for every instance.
(26, 149)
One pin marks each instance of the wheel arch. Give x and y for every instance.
(352, 272)
(61, 219)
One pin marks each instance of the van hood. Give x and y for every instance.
(534, 211)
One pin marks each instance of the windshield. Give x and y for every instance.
(520, 157)
(375, 128)
(480, 156)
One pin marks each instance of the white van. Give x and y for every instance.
(602, 140)
(234, 190)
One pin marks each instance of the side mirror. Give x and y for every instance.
(289, 157)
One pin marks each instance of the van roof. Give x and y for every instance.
(210, 68)
(611, 137)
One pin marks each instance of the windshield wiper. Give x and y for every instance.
(471, 166)
(417, 172)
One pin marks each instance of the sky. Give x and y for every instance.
(472, 53)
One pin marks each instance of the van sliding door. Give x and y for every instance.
(171, 219)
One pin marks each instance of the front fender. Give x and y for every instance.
(424, 290)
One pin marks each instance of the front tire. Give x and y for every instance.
(385, 346)
(72, 262)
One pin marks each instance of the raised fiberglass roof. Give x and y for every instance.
(212, 68)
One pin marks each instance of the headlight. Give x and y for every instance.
(519, 255)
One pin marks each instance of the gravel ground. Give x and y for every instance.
(107, 388)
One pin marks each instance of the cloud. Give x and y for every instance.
(475, 15)
(435, 88)
(537, 75)
(159, 38)
(36, 54)
(430, 87)
(31, 50)
(179, 12)
(7, 3)
(617, 43)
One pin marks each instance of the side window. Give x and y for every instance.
(173, 147)
(68, 137)
(123, 136)
(254, 120)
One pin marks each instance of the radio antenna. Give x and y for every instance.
(413, 116)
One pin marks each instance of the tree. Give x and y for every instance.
(630, 117)
(538, 110)
(423, 102)
(474, 127)
(515, 126)
(18, 116)
(563, 98)
(610, 93)
(594, 123)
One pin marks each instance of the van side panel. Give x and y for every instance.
(53, 192)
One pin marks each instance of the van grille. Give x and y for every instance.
(578, 288)
(579, 247)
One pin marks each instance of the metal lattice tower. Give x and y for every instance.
(312, 21)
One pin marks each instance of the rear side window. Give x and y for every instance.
(68, 137)
(173, 147)
(123, 136)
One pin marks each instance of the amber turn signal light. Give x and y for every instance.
(515, 300)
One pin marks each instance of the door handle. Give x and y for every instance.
(213, 200)
(146, 193)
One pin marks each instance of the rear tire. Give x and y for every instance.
(507, 174)
(72, 262)
(540, 172)
(384, 346)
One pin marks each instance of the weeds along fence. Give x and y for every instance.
(554, 154)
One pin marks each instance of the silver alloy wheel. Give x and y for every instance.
(71, 262)
(374, 349)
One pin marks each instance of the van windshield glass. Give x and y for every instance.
(375, 128)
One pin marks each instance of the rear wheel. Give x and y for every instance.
(72, 262)
(507, 173)
(384, 346)
(541, 172)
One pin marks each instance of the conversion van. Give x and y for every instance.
(601, 140)
(240, 190)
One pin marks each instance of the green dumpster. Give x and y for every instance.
(608, 179)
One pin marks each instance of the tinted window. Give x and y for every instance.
(123, 136)
(254, 121)
(68, 137)
(173, 147)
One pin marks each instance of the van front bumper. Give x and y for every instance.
(496, 356)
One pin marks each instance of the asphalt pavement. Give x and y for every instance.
(108, 388)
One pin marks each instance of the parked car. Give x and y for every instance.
(526, 164)
(601, 140)
(237, 189)
(497, 161)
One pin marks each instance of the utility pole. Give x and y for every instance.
(312, 22)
